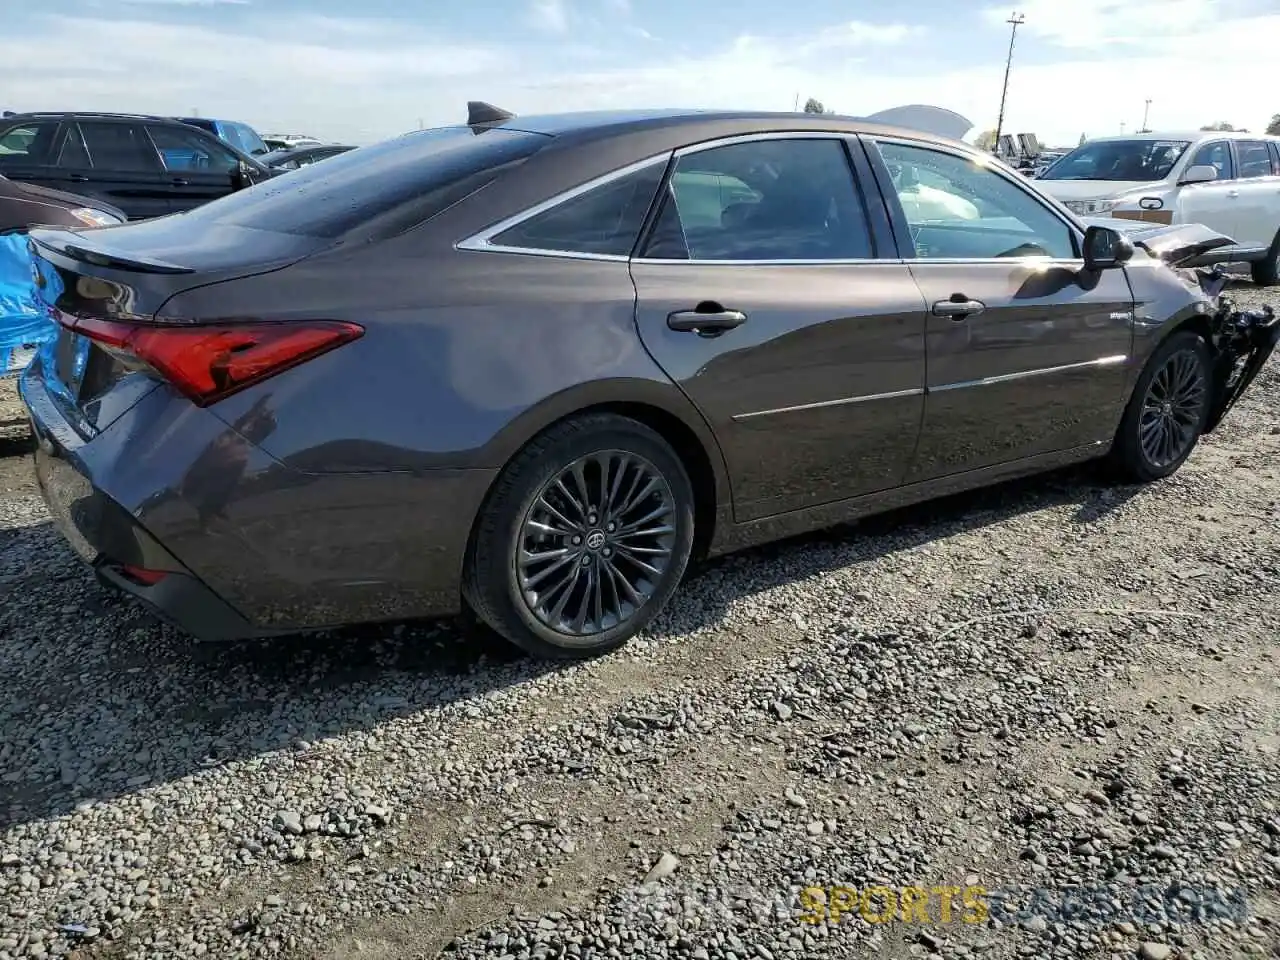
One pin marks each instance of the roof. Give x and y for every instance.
(600, 124)
(88, 114)
(1192, 135)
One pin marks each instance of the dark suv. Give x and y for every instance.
(146, 166)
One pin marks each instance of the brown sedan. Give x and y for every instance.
(534, 365)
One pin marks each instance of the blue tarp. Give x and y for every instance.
(22, 322)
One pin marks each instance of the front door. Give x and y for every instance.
(1258, 203)
(1216, 204)
(759, 294)
(1027, 354)
(197, 166)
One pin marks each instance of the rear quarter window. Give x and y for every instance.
(329, 199)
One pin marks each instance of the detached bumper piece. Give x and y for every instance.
(1243, 341)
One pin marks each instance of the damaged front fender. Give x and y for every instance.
(1241, 341)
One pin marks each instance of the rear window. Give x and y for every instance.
(328, 199)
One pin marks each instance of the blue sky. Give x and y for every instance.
(359, 72)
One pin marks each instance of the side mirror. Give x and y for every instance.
(242, 176)
(1105, 248)
(1199, 173)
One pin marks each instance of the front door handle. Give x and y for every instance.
(78, 178)
(180, 182)
(707, 323)
(958, 307)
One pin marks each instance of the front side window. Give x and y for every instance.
(1138, 161)
(185, 151)
(772, 199)
(1255, 159)
(958, 208)
(118, 147)
(27, 142)
(604, 220)
(1215, 154)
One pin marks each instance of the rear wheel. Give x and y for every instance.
(584, 538)
(1167, 412)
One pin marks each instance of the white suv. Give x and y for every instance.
(1227, 181)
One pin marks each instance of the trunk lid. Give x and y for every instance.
(126, 274)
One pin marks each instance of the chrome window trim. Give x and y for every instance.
(895, 261)
(737, 138)
(1017, 180)
(483, 241)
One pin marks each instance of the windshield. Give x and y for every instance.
(1137, 160)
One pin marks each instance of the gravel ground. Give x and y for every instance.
(1050, 684)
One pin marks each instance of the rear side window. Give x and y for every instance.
(119, 147)
(604, 220)
(27, 142)
(327, 199)
(1255, 159)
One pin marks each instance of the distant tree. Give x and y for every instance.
(1273, 127)
(986, 140)
(1219, 125)
(813, 106)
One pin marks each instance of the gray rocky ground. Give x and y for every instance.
(1050, 684)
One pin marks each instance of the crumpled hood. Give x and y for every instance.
(1179, 245)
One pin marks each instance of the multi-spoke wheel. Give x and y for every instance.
(584, 539)
(1168, 410)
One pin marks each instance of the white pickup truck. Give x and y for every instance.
(1228, 181)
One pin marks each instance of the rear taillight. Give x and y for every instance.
(208, 362)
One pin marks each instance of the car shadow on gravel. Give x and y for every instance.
(102, 701)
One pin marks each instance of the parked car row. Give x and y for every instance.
(1229, 181)
(147, 166)
(534, 366)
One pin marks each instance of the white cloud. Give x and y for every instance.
(188, 3)
(1086, 24)
(551, 16)
(361, 80)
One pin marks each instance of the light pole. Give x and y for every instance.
(1016, 20)
(1146, 112)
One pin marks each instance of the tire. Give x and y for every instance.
(529, 510)
(1266, 272)
(1184, 355)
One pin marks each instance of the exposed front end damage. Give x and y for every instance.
(1242, 341)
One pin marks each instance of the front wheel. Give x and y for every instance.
(584, 538)
(1167, 412)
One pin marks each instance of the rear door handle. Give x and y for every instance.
(1233, 193)
(180, 182)
(709, 323)
(958, 307)
(78, 178)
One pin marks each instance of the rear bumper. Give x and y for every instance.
(248, 547)
(112, 542)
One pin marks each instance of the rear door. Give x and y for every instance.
(123, 168)
(761, 295)
(1027, 354)
(198, 167)
(1258, 182)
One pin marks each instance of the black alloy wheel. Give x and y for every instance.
(1167, 412)
(1173, 410)
(595, 544)
(584, 538)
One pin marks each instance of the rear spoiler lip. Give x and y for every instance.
(70, 244)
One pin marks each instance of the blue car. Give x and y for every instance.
(240, 135)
